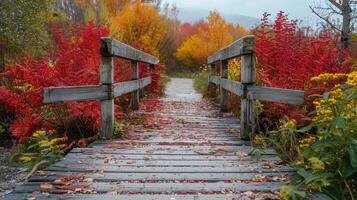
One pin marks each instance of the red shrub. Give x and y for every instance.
(289, 57)
(74, 60)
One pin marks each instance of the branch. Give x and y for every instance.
(335, 3)
(325, 19)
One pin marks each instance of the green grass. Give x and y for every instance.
(200, 82)
(164, 79)
(182, 75)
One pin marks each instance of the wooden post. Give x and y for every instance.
(107, 105)
(247, 103)
(136, 94)
(223, 92)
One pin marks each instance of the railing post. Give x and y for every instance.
(136, 94)
(107, 105)
(248, 78)
(223, 92)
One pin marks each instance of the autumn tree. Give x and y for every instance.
(140, 25)
(195, 50)
(22, 27)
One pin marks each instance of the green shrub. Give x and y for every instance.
(40, 150)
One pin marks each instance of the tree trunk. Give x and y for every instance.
(346, 17)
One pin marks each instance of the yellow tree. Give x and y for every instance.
(195, 50)
(140, 25)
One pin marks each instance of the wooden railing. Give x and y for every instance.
(246, 89)
(107, 90)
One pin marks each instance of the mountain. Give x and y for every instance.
(193, 15)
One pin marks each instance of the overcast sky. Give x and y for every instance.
(254, 8)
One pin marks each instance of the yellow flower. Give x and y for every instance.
(352, 78)
(316, 164)
(55, 141)
(44, 142)
(326, 77)
(299, 163)
(25, 158)
(307, 142)
(259, 141)
(39, 133)
(289, 124)
(285, 192)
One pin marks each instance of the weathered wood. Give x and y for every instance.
(103, 187)
(247, 119)
(224, 94)
(24, 196)
(115, 177)
(130, 86)
(134, 102)
(75, 93)
(232, 86)
(294, 97)
(107, 106)
(231, 157)
(245, 45)
(214, 79)
(111, 47)
(185, 153)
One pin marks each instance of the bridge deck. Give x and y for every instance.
(186, 150)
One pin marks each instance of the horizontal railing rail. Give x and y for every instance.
(107, 90)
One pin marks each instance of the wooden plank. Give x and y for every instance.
(145, 82)
(231, 157)
(161, 152)
(244, 45)
(75, 93)
(113, 162)
(214, 79)
(130, 86)
(114, 177)
(194, 144)
(112, 47)
(103, 187)
(294, 97)
(107, 105)
(125, 87)
(25, 196)
(232, 86)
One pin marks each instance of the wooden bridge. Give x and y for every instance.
(191, 150)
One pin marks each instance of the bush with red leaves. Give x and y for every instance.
(73, 60)
(288, 58)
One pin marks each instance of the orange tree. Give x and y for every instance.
(195, 50)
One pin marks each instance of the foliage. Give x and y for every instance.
(141, 26)
(74, 61)
(217, 34)
(41, 149)
(328, 160)
(22, 26)
(287, 58)
(200, 82)
(285, 140)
